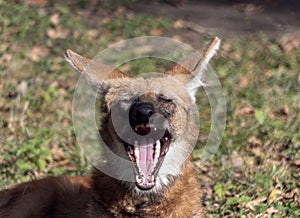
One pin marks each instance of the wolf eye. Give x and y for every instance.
(164, 99)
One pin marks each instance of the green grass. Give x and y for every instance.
(256, 74)
(252, 172)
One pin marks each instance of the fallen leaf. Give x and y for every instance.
(75, 34)
(54, 19)
(156, 32)
(268, 73)
(120, 10)
(55, 67)
(255, 145)
(65, 122)
(291, 194)
(270, 211)
(178, 24)
(235, 56)
(56, 152)
(245, 111)
(22, 88)
(177, 37)
(106, 20)
(54, 84)
(42, 12)
(5, 58)
(251, 204)
(290, 41)
(39, 3)
(57, 33)
(37, 52)
(254, 141)
(296, 162)
(243, 82)
(275, 193)
(236, 160)
(93, 33)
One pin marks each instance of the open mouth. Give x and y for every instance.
(147, 155)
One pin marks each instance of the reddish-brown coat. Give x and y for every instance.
(101, 196)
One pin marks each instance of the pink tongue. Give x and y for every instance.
(146, 157)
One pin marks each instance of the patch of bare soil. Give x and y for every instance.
(229, 18)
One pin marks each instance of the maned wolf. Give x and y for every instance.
(158, 190)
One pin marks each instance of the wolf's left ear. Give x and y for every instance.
(190, 70)
(93, 71)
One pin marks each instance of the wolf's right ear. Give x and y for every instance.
(93, 71)
(190, 70)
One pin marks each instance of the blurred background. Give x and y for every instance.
(256, 171)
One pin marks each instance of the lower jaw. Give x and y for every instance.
(144, 182)
(145, 186)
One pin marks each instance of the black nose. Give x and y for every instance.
(140, 113)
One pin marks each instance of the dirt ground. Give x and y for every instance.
(230, 18)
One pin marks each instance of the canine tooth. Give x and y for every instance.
(136, 152)
(154, 163)
(138, 166)
(152, 178)
(138, 179)
(136, 128)
(157, 149)
(155, 128)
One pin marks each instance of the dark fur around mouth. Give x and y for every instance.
(147, 156)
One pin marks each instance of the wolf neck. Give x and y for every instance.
(119, 200)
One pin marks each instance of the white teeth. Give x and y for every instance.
(138, 126)
(151, 180)
(136, 151)
(138, 179)
(157, 149)
(155, 128)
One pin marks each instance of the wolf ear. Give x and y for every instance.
(192, 67)
(93, 71)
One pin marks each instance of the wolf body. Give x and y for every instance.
(165, 184)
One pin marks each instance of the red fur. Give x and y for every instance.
(101, 196)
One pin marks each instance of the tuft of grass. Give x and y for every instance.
(136, 26)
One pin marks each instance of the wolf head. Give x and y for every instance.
(148, 120)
